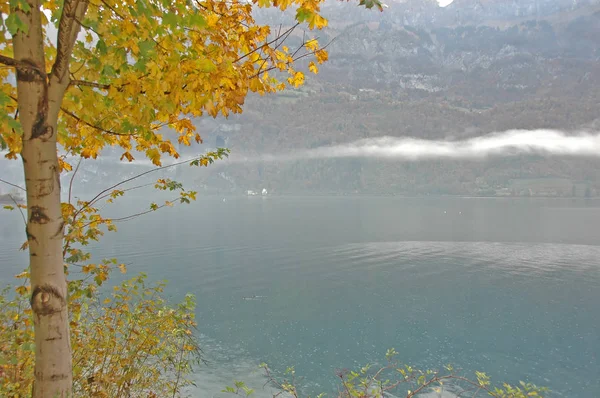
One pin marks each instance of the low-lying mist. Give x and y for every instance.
(512, 142)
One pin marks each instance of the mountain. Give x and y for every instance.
(420, 70)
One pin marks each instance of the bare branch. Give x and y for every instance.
(83, 83)
(80, 120)
(13, 185)
(126, 190)
(217, 13)
(18, 207)
(260, 72)
(112, 9)
(21, 65)
(104, 191)
(286, 34)
(132, 216)
(73, 177)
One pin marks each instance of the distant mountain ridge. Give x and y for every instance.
(420, 70)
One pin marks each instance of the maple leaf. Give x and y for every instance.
(127, 155)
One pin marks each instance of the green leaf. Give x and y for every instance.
(4, 99)
(146, 46)
(197, 20)
(28, 347)
(303, 15)
(7, 207)
(101, 47)
(20, 4)
(140, 65)
(108, 71)
(14, 124)
(14, 24)
(170, 19)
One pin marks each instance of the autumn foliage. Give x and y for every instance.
(92, 74)
(145, 65)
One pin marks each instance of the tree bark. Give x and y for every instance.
(39, 98)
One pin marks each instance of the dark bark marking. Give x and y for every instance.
(53, 377)
(38, 215)
(56, 176)
(30, 237)
(30, 72)
(40, 128)
(44, 186)
(59, 231)
(43, 300)
(56, 377)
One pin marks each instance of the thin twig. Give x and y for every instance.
(104, 191)
(85, 83)
(18, 207)
(80, 120)
(13, 185)
(286, 33)
(73, 177)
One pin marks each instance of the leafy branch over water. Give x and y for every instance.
(395, 380)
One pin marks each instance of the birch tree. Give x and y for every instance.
(96, 73)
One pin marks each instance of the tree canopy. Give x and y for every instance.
(140, 65)
(82, 75)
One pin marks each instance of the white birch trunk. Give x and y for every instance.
(39, 99)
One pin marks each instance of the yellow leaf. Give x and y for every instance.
(22, 290)
(24, 274)
(127, 156)
(321, 56)
(312, 45)
(62, 165)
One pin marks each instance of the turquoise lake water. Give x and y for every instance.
(507, 286)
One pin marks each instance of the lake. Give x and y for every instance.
(507, 286)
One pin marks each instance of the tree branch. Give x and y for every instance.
(73, 177)
(104, 191)
(83, 83)
(80, 120)
(12, 185)
(20, 210)
(279, 36)
(68, 28)
(20, 65)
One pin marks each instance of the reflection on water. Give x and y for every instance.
(510, 287)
